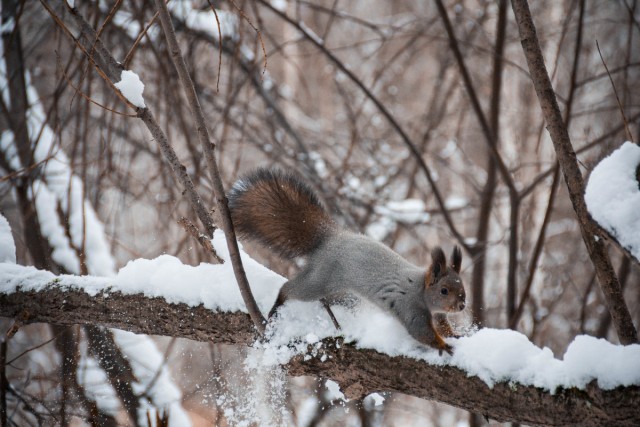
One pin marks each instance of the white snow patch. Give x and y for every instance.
(52, 229)
(167, 277)
(7, 245)
(131, 87)
(280, 5)
(381, 228)
(456, 202)
(613, 196)
(96, 385)
(411, 211)
(7, 145)
(8, 26)
(148, 365)
(333, 391)
(310, 33)
(312, 338)
(377, 398)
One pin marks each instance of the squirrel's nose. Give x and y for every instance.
(461, 306)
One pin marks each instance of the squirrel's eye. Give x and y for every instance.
(444, 291)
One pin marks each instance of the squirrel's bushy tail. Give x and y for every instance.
(280, 211)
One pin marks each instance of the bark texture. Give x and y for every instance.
(359, 372)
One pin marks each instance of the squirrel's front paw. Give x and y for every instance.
(445, 347)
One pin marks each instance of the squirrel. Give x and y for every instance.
(280, 211)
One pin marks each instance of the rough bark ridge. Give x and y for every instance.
(359, 372)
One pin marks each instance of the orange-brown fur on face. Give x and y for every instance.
(279, 211)
(440, 279)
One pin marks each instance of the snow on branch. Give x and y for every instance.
(613, 196)
(359, 371)
(7, 245)
(131, 87)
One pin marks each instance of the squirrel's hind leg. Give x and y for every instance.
(279, 301)
(293, 289)
(327, 307)
(283, 296)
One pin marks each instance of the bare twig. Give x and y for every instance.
(203, 240)
(404, 137)
(591, 233)
(246, 18)
(129, 55)
(475, 102)
(537, 250)
(208, 149)
(110, 70)
(88, 98)
(213, 9)
(615, 92)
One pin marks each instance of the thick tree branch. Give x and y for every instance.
(359, 372)
(596, 245)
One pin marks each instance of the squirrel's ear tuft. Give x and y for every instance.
(456, 259)
(439, 265)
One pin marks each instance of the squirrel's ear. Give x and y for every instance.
(456, 259)
(439, 265)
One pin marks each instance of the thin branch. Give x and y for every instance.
(129, 55)
(475, 102)
(203, 240)
(208, 149)
(213, 9)
(246, 18)
(88, 98)
(615, 92)
(591, 233)
(537, 250)
(488, 191)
